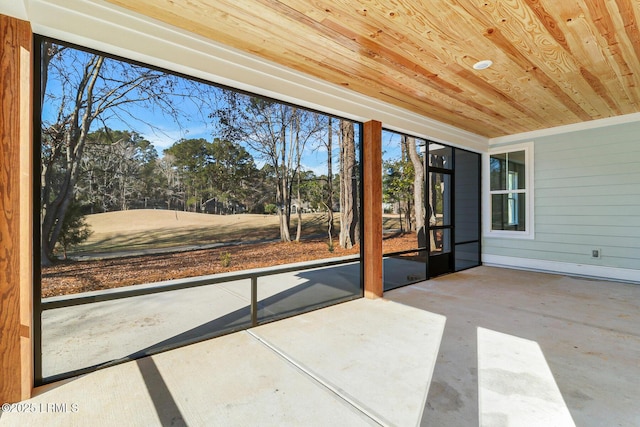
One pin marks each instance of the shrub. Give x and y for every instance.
(75, 229)
(270, 208)
(225, 259)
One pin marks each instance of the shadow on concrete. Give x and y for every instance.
(321, 288)
(166, 407)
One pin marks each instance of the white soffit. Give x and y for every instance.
(14, 8)
(105, 27)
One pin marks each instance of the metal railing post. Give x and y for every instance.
(254, 301)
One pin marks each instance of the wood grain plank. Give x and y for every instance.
(554, 28)
(614, 42)
(596, 66)
(298, 55)
(555, 63)
(371, 210)
(401, 73)
(424, 83)
(14, 34)
(630, 14)
(417, 73)
(407, 48)
(26, 220)
(628, 18)
(515, 28)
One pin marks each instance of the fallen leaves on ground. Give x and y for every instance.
(69, 277)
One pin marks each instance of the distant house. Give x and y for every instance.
(390, 208)
(300, 204)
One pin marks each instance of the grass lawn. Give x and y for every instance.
(125, 231)
(149, 229)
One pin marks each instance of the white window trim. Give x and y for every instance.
(529, 232)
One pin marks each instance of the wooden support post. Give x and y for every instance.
(372, 208)
(16, 174)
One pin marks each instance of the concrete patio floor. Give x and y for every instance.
(486, 346)
(99, 333)
(488, 370)
(364, 362)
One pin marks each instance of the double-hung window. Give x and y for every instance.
(510, 192)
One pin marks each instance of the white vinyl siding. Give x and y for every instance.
(587, 196)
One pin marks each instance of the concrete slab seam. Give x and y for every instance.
(335, 390)
(425, 396)
(233, 293)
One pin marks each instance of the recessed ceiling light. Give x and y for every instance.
(482, 65)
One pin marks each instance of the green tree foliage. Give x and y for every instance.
(233, 175)
(397, 186)
(270, 209)
(218, 176)
(313, 190)
(191, 157)
(75, 229)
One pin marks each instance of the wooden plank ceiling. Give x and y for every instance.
(555, 62)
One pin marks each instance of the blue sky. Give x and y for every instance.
(163, 131)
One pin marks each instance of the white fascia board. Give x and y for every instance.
(14, 8)
(103, 26)
(593, 124)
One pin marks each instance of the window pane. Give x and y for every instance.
(440, 241)
(508, 211)
(467, 256)
(403, 192)
(507, 171)
(467, 196)
(497, 171)
(439, 199)
(440, 156)
(288, 294)
(80, 336)
(516, 174)
(404, 269)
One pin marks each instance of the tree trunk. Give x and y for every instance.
(283, 194)
(418, 191)
(74, 137)
(298, 152)
(329, 202)
(285, 236)
(433, 202)
(330, 228)
(349, 230)
(299, 212)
